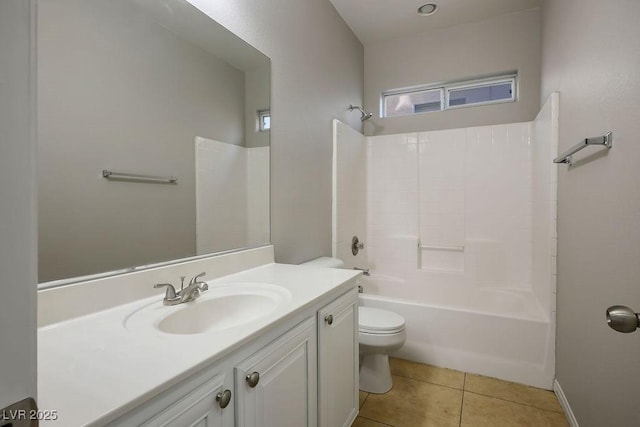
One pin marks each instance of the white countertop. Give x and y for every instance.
(92, 369)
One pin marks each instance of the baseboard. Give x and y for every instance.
(565, 404)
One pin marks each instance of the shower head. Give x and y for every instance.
(365, 115)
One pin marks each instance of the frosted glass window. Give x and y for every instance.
(423, 101)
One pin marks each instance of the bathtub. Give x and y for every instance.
(502, 333)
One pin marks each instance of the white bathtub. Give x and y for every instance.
(496, 332)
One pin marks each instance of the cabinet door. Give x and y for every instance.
(338, 361)
(199, 408)
(277, 386)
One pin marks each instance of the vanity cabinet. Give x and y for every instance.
(276, 386)
(338, 356)
(303, 373)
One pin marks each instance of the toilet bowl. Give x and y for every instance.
(379, 332)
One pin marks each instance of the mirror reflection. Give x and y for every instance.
(154, 88)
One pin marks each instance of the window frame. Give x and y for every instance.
(446, 88)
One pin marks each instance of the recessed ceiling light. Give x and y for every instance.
(427, 9)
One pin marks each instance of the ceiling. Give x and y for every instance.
(378, 20)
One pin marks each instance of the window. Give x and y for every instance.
(481, 93)
(264, 120)
(428, 98)
(420, 101)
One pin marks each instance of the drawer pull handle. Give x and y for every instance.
(223, 398)
(329, 319)
(253, 379)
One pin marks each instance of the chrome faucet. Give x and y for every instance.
(191, 292)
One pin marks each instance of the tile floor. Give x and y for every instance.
(424, 395)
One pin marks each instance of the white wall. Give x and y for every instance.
(349, 194)
(465, 194)
(591, 52)
(258, 213)
(544, 199)
(257, 98)
(498, 208)
(18, 259)
(232, 196)
(317, 71)
(221, 196)
(392, 204)
(499, 44)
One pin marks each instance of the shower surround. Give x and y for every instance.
(460, 239)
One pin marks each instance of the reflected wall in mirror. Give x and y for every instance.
(150, 87)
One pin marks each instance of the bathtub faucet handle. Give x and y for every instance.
(365, 271)
(356, 245)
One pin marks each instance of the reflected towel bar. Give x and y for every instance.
(566, 157)
(135, 177)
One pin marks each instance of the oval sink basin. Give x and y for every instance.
(218, 313)
(220, 308)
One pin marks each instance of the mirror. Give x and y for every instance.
(153, 88)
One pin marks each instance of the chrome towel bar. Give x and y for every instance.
(135, 177)
(566, 157)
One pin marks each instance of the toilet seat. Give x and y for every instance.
(378, 321)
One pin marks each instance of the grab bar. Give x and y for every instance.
(567, 156)
(132, 176)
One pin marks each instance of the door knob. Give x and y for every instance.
(329, 319)
(622, 319)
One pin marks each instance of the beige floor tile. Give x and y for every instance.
(363, 422)
(422, 372)
(513, 392)
(483, 411)
(413, 403)
(362, 395)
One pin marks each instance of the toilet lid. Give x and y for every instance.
(376, 320)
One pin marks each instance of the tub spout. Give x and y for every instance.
(365, 271)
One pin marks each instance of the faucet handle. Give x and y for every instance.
(202, 285)
(171, 291)
(196, 277)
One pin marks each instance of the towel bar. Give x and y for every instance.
(131, 176)
(566, 157)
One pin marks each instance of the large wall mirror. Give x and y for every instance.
(153, 88)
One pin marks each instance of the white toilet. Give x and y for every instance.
(380, 331)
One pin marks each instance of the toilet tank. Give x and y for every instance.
(325, 262)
